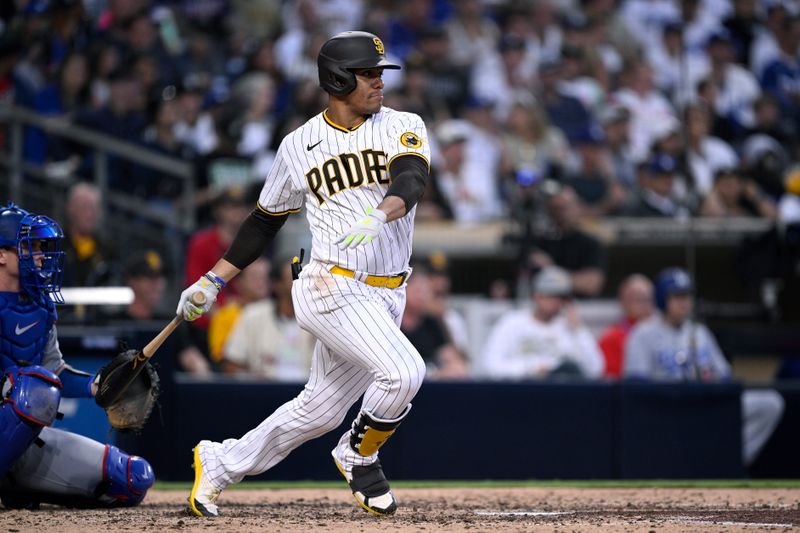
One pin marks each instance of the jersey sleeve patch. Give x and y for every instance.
(411, 140)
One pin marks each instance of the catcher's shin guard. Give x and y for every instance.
(369, 432)
(126, 478)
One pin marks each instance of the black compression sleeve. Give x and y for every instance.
(255, 233)
(409, 176)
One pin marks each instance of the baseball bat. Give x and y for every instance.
(112, 387)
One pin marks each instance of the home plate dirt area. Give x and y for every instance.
(444, 509)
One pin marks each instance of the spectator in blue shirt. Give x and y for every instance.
(781, 78)
(565, 112)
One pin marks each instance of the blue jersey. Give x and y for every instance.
(28, 337)
(25, 329)
(659, 351)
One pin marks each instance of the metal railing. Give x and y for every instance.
(18, 118)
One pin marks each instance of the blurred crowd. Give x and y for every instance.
(643, 107)
(544, 112)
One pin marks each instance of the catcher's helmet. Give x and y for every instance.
(671, 281)
(34, 236)
(345, 51)
(10, 217)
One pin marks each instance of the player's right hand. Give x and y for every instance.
(363, 230)
(208, 287)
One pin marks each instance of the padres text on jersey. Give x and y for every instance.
(341, 172)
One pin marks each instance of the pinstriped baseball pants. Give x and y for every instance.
(360, 350)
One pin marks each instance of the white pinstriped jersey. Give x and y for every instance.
(340, 173)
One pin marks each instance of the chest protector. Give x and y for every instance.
(24, 329)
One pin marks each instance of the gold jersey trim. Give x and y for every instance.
(337, 126)
(258, 205)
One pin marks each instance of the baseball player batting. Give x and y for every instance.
(360, 168)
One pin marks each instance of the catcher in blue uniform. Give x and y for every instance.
(39, 463)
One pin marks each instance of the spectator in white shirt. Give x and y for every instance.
(649, 109)
(469, 187)
(737, 88)
(471, 33)
(765, 49)
(705, 154)
(502, 77)
(547, 342)
(266, 341)
(675, 70)
(646, 18)
(254, 93)
(196, 127)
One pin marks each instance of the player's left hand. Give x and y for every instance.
(363, 231)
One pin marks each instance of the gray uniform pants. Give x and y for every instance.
(67, 469)
(761, 411)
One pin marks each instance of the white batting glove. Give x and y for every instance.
(210, 285)
(363, 231)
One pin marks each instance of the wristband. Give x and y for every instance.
(217, 281)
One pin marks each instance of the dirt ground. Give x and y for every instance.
(474, 509)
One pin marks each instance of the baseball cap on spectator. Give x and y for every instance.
(673, 26)
(721, 36)
(453, 131)
(570, 51)
(438, 262)
(665, 127)
(191, 85)
(120, 74)
(726, 171)
(144, 264)
(759, 145)
(232, 196)
(590, 135)
(414, 61)
(550, 66)
(432, 32)
(768, 6)
(36, 7)
(612, 114)
(552, 281)
(478, 102)
(662, 165)
(575, 22)
(511, 42)
(218, 93)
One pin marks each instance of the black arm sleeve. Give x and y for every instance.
(255, 233)
(409, 177)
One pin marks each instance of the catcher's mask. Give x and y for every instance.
(347, 51)
(37, 242)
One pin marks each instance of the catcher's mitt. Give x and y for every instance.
(132, 408)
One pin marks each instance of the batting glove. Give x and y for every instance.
(363, 231)
(209, 284)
